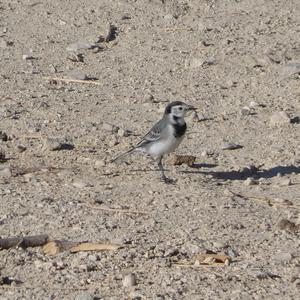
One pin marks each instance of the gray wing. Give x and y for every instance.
(153, 135)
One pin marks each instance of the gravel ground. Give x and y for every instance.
(80, 83)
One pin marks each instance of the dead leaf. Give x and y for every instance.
(178, 160)
(55, 247)
(94, 247)
(212, 259)
(205, 259)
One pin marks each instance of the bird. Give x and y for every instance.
(165, 136)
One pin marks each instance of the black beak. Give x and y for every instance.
(190, 107)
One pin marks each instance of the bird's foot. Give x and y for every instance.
(168, 180)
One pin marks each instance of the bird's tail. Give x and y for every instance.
(123, 154)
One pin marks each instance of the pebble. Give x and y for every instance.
(77, 75)
(232, 253)
(80, 45)
(84, 296)
(110, 128)
(259, 274)
(219, 244)
(129, 280)
(27, 56)
(80, 184)
(100, 163)
(286, 182)
(148, 98)
(3, 43)
(113, 141)
(250, 181)
(210, 61)
(279, 118)
(253, 104)
(30, 177)
(194, 63)
(93, 257)
(124, 132)
(231, 146)
(21, 148)
(5, 172)
(291, 68)
(56, 144)
(246, 111)
(284, 257)
(136, 295)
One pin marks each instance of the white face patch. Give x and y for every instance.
(178, 111)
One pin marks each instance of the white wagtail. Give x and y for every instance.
(165, 136)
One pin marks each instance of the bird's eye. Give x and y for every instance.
(180, 108)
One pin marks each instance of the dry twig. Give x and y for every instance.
(73, 80)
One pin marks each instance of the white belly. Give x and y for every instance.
(163, 146)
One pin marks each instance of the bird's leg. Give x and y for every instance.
(163, 176)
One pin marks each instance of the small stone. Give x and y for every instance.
(77, 75)
(129, 280)
(110, 128)
(286, 182)
(279, 118)
(59, 265)
(246, 111)
(21, 148)
(148, 98)
(168, 17)
(232, 253)
(80, 45)
(113, 141)
(284, 257)
(3, 43)
(76, 57)
(259, 274)
(124, 132)
(204, 153)
(27, 56)
(291, 68)
(100, 163)
(5, 172)
(194, 63)
(93, 257)
(80, 184)
(57, 144)
(136, 295)
(250, 181)
(219, 244)
(30, 177)
(84, 296)
(210, 61)
(253, 104)
(227, 84)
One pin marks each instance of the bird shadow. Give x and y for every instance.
(203, 165)
(247, 172)
(166, 168)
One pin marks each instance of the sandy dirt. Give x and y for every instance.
(237, 61)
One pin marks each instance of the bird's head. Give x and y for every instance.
(178, 109)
